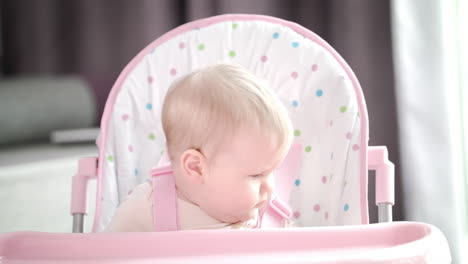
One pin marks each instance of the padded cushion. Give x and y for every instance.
(310, 81)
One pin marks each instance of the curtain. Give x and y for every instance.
(427, 73)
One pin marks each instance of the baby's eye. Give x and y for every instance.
(256, 175)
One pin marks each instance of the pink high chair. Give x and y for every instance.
(325, 173)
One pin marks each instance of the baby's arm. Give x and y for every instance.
(135, 212)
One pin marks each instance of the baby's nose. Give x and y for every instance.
(266, 189)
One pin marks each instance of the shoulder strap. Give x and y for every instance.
(278, 209)
(164, 197)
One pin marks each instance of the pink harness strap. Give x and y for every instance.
(165, 199)
(277, 211)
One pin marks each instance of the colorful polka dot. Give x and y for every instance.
(326, 215)
(349, 135)
(343, 109)
(232, 54)
(297, 132)
(319, 92)
(149, 106)
(346, 207)
(264, 58)
(150, 79)
(151, 136)
(181, 45)
(201, 47)
(136, 172)
(125, 117)
(173, 72)
(316, 207)
(110, 158)
(308, 149)
(295, 44)
(324, 179)
(330, 123)
(130, 148)
(295, 103)
(296, 214)
(294, 75)
(314, 67)
(234, 26)
(275, 35)
(297, 182)
(355, 147)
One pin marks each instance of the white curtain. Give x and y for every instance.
(428, 72)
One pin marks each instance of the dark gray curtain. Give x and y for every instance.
(96, 39)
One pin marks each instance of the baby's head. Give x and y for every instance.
(226, 132)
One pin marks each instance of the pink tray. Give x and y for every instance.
(398, 242)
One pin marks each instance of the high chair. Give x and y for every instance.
(328, 198)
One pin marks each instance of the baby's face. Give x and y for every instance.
(240, 180)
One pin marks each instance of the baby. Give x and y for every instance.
(226, 133)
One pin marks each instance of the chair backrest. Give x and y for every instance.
(318, 88)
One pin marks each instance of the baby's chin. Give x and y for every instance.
(233, 219)
(252, 214)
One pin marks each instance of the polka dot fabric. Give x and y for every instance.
(311, 83)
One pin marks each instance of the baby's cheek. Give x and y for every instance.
(223, 199)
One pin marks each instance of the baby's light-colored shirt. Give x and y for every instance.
(135, 214)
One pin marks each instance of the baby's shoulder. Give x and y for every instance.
(143, 190)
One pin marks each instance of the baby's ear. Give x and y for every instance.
(193, 165)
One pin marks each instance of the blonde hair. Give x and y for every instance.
(207, 106)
